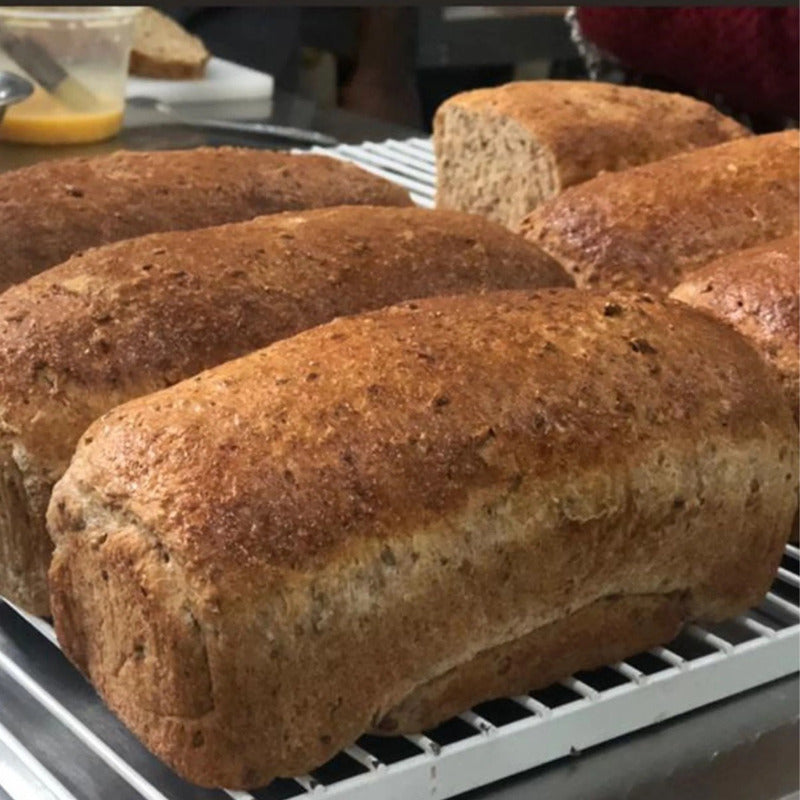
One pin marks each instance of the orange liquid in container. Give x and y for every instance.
(43, 119)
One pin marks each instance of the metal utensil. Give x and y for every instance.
(13, 89)
(35, 59)
(258, 128)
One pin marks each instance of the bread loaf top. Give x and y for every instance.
(590, 127)
(649, 226)
(138, 315)
(135, 316)
(758, 292)
(371, 426)
(56, 208)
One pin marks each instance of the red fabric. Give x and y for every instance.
(748, 55)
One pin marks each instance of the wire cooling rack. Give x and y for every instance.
(58, 742)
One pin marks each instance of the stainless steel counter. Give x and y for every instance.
(745, 748)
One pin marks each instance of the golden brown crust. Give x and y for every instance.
(54, 209)
(133, 317)
(326, 525)
(758, 292)
(533, 139)
(649, 226)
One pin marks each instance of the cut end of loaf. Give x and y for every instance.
(504, 150)
(144, 65)
(490, 165)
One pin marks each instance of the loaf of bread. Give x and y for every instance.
(163, 49)
(56, 208)
(132, 317)
(391, 517)
(758, 292)
(503, 151)
(647, 227)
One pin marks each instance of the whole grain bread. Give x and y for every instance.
(382, 519)
(135, 316)
(758, 292)
(56, 208)
(503, 151)
(163, 49)
(649, 226)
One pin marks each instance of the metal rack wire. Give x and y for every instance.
(486, 743)
(409, 162)
(58, 742)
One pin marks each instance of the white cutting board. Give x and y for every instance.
(223, 80)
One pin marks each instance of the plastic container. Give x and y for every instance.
(77, 57)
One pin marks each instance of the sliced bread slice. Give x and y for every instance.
(163, 49)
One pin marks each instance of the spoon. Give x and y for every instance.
(13, 89)
(261, 128)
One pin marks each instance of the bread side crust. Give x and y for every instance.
(758, 292)
(603, 632)
(25, 546)
(145, 66)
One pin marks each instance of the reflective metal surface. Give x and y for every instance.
(145, 129)
(188, 117)
(13, 89)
